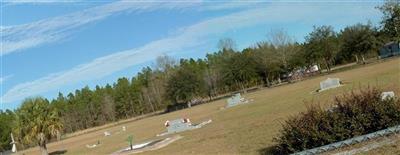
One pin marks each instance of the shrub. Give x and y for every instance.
(353, 114)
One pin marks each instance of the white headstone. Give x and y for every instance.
(123, 128)
(107, 133)
(329, 83)
(386, 95)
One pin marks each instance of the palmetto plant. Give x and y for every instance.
(37, 122)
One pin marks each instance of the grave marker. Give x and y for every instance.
(107, 133)
(181, 124)
(234, 100)
(386, 95)
(178, 125)
(329, 83)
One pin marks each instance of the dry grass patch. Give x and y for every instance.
(243, 129)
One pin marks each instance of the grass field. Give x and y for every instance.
(244, 129)
(382, 145)
(393, 148)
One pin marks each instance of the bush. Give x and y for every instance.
(351, 115)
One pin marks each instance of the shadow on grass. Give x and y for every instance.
(58, 152)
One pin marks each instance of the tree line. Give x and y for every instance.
(170, 83)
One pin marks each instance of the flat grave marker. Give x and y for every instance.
(181, 124)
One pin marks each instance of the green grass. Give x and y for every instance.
(244, 129)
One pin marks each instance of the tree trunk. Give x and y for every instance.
(43, 149)
(266, 78)
(268, 82)
(328, 66)
(319, 68)
(356, 58)
(132, 107)
(151, 104)
(156, 95)
(363, 59)
(244, 90)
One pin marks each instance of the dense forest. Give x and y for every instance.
(172, 84)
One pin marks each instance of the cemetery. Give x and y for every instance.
(232, 131)
(254, 77)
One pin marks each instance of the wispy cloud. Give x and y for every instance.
(100, 67)
(15, 2)
(4, 78)
(188, 37)
(230, 5)
(19, 37)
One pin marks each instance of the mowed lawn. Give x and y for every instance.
(244, 129)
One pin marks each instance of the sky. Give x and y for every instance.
(51, 46)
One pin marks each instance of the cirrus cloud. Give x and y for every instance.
(188, 37)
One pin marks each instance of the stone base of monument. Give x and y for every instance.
(235, 100)
(91, 146)
(148, 146)
(180, 125)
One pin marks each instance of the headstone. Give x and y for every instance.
(107, 133)
(178, 125)
(234, 100)
(329, 83)
(123, 128)
(386, 95)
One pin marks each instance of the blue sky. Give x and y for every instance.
(58, 46)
